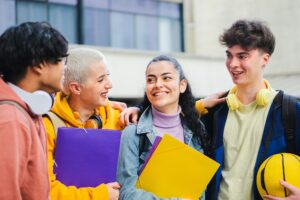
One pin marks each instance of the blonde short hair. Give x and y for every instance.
(78, 65)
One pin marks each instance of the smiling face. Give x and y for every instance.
(246, 66)
(163, 86)
(95, 88)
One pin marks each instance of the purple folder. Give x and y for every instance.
(151, 151)
(86, 157)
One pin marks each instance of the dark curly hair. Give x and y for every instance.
(249, 35)
(29, 44)
(189, 115)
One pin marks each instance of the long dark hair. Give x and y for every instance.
(187, 103)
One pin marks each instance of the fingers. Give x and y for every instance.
(288, 186)
(220, 100)
(269, 197)
(222, 93)
(129, 115)
(123, 105)
(122, 120)
(114, 185)
(118, 105)
(127, 118)
(134, 119)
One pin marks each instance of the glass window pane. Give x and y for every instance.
(146, 32)
(149, 7)
(122, 30)
(169, 35)
(124, 5)
(31, 11)
(7, 15)
(169, 10)
(68, 2)
(96, 27)
(64, 18)
(96, 3)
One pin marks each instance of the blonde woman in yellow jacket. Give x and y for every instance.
(86, 86)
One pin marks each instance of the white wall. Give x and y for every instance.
(282, 16)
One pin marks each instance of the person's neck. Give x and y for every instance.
(84, 112)
(28, 85)
(247, 93)
(169, 110)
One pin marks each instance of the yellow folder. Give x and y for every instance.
(176, 170)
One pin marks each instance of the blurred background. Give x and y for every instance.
(131, 32)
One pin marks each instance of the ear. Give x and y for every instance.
(182, 86)
(266, 58)
(38, 69)
(74, 88)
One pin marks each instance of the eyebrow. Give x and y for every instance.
(102, 76)
(240, 53)
(163, 74)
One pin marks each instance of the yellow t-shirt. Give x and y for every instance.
(242, 137)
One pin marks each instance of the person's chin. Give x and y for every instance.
(103, 102)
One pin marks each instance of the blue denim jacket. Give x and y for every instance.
(130, 160)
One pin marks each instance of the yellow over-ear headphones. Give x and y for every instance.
(262, 97)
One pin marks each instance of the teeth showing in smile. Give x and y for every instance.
(236, 73)
(159, 94)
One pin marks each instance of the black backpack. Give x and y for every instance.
(289, 112)
(288, 106)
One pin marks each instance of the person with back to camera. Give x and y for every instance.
(82, 104)
(32, 60)
(168, 107)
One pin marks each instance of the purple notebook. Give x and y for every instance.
(86, 157)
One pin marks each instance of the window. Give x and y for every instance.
(138, 24)
(63, 17)
(7, 14)
(61, 14)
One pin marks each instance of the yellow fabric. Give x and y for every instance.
(200, 107)
(242, 137)
(262, 97)
(58, 191)
(167, 171)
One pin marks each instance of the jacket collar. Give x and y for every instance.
(144, 125)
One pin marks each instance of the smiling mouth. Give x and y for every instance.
(157, 94)
(235, 74)
(104, 94)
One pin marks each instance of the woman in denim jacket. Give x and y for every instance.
(168, 107)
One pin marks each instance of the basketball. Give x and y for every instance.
(283, 166)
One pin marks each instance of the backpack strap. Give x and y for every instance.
(56, 121)
(18, 106)
(143, 140)
(289, 121)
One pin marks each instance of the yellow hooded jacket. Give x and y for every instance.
(59, 191)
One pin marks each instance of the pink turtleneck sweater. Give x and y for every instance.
(166, 123)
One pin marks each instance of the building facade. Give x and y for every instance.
(131, 32)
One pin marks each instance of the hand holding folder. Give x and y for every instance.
(86, 157)
(176, 170)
